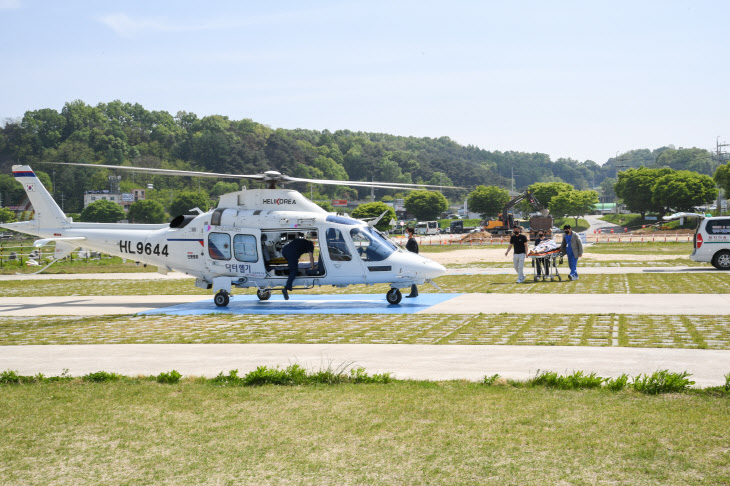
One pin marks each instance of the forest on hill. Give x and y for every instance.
(121, 133)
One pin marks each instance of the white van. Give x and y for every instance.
(711, 240)
(427, 228)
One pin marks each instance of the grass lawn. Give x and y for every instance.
(105, 265)
(652, 283)
(400, 433)
(710, 332)
(660, 248)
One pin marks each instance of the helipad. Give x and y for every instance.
(308, 304)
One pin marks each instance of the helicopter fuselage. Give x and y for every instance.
(240, 243)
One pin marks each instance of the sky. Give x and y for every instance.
(585, 80)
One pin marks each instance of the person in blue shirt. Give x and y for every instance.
(292, 252)
(573, 248)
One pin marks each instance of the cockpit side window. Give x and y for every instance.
(370, 246)
(219, 246)
(337, 247)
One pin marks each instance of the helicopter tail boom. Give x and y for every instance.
(47, 212)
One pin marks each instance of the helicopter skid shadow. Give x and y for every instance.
(307, 304)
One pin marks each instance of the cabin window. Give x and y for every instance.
(370, 245)
(219, 246)
(337, 247)
(244, 248)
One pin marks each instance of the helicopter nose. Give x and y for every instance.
(433, 269)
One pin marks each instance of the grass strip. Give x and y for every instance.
(666, 331)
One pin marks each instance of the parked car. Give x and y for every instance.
(711, 239)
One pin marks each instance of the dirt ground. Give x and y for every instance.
(497, 255)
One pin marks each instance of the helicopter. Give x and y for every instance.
(239, 243)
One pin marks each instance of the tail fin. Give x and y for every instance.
(47, 212)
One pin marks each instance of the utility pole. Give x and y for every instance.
(720, 154)
(618, 166)
(61, 201)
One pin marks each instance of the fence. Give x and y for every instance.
(590, 238)
(22, 253)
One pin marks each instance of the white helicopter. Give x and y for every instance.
(239, 243)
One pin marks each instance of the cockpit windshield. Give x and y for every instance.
(370, 245)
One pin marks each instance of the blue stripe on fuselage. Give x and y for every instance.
(24, 174)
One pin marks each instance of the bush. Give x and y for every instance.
(577, 381)
(101, 377)
(490, 380)
(662, 382)
(617, 384)
(9, 377)
(296, 375)
(169, 378)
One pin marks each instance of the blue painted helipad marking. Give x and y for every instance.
(307, 304)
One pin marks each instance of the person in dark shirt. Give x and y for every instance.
(292, 252)
(519, 241)
(412, 246)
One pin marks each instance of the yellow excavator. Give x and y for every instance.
(505, 221)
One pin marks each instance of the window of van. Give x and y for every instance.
(718, 226)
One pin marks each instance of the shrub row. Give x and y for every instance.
(658, 382)
(263, 375)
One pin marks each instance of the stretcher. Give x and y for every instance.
(545, 265)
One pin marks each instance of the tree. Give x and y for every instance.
(574, 204)
(150, 212)
(607, 191)
(373, 210)
(722, 178)
(326, 205)
(692, 159)
(683, 190)
(185, 202)
(221, 188)
(546, 191)
(6, 216)
(102, 211)
(488, 200)
(426, 205)
(635, 188)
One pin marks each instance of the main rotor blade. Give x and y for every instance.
(188, 173)
(270, 177)
(384, 185)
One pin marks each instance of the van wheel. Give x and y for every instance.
(721, 260)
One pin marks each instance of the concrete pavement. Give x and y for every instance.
(422, 362)
(474, 303)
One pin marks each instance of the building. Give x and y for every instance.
(124, 199)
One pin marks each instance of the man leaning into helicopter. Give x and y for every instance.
(292, 252)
